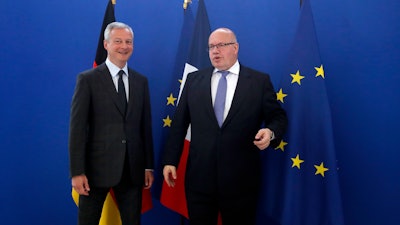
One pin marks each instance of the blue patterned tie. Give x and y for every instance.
(121, 91)
(219, 103)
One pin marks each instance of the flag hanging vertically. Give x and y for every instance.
(190, 58)
(174, 198)
(301, 185)
(109, 17)
(110, 213)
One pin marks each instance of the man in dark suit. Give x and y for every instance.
(110, 140)
(223, 172)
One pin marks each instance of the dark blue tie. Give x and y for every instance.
(121, 91)
(219, 103)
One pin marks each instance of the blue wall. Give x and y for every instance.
(44, 44)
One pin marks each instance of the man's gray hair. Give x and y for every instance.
(116, 25)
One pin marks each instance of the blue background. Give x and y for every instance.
(45, 44)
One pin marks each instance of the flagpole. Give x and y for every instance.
(185, 3)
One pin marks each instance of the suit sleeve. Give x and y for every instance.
(274, 114)
(178, 130)
(78, 126)
(147, 128)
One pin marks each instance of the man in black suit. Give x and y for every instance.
(223, 172)
(110, 140)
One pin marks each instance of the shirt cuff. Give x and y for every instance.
(272, 135)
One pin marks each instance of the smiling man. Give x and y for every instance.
(110, 137)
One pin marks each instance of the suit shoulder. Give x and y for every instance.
(94, 71)
(86, 72)
(201, 73)
(85, 75)
(136, 74)
(253, 72)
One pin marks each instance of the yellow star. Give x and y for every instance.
(281, 146)
(296, 161)
(280, 95)
(171, 100)
(321, 169)
(167, 122)
(297, 77)
(320, 71)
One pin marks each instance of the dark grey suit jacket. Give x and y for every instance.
(224, 158)
(100, 136)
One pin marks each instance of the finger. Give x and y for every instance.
(258, 136)
(166, 172)
(260, 144)
(173, 174)
(170, 180)
(169, 171)
(148, 181)
(81, 190)
(171, 183)
(149, 184)
(86, 186)
(151, 180)
(265, 145)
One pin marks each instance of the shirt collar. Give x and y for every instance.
(115, 69)
(233, 70)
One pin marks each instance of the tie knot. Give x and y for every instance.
(121, 72)
(224, 72)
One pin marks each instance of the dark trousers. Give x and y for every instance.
(235, 209)
(128, 197)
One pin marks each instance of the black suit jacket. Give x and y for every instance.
(224, 158)
(101, 136)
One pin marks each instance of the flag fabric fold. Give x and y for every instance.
(190, 58)
(301, 184)
(110, 213)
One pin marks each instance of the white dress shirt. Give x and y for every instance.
(231, 81)
(114, 75)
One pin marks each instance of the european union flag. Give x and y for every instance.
(301, 186)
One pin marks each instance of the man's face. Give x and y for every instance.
(119, 46)
(223, 49)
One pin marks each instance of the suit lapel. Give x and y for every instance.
(109, 86)
(239, 99)
(132, 87)
(206, 81)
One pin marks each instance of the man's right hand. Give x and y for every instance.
(80, 184)
(169, 173)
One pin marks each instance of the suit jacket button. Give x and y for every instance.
(123, 141)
